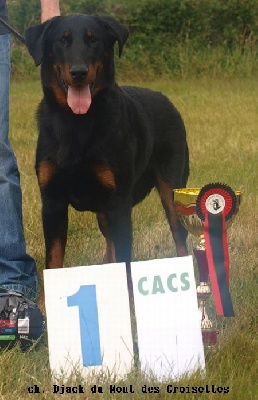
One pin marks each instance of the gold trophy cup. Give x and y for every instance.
(185, 204)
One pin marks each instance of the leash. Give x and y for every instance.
(13, 31)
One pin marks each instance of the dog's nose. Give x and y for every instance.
(79, 73)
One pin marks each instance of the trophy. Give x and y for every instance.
(207, 213)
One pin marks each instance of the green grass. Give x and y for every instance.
(221, 119)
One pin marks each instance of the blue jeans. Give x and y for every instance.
(17, 269)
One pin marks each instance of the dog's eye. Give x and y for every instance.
(93, 39)
(90, 38)
(63, 40)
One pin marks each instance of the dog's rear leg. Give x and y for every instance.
(179, 233)
(110, 256)
(116, 226)
(120, 227)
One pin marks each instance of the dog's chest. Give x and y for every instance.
(91, 187)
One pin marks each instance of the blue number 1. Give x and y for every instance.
(86, 300)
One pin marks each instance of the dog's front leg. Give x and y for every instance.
(120, 231)
(55, 223)
(119, 226)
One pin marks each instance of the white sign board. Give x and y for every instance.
(88, 320)
(168, 322)
(89, 326)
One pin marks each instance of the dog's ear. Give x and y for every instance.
(34, 39)
(119, 31)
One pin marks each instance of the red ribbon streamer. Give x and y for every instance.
(215, 234)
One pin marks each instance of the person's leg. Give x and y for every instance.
(17, 269)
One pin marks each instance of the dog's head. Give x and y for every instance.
(76, 54)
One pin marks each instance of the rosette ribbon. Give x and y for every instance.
(216, 203)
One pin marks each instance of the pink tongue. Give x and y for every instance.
(79, 99)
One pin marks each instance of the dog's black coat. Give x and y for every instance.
(106, 159)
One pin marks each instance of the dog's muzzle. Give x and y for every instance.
(79, 73)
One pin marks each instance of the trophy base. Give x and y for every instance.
(209, 338)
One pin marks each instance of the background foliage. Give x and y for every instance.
(179, 37)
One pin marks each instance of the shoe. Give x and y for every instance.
(20, 320)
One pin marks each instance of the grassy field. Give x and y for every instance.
(221, 118)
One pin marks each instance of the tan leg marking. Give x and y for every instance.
(56, 256)
(110, 255)
(105, 176)
(45, 171)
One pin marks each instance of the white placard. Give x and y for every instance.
(168, 323)
(88, 320)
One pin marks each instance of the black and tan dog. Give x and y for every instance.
(101, 147)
